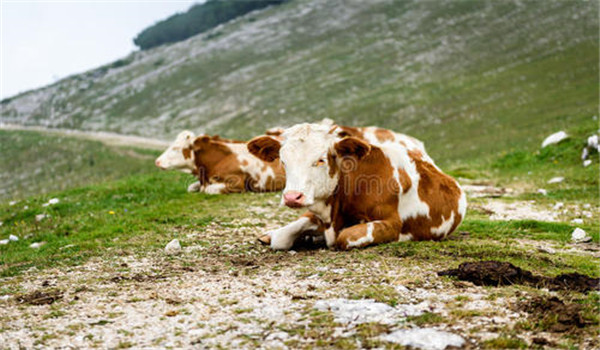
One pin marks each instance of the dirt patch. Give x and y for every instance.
(496, 273)
(40, 297)
(137, 278)
(554, 314)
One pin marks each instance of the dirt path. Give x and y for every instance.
(107, 138)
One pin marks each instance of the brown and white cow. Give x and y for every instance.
(358, 192)
(221, 165)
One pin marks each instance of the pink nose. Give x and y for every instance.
(157, 162)
(293, 199)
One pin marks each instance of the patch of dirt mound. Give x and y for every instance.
(554, 313)
(39, 297)
(490, 273)
(496, 273)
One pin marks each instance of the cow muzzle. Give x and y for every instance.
(294, 199)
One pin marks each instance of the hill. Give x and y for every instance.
(470, 78)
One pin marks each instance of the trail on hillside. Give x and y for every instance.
(107, 138)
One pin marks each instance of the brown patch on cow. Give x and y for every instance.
(441, 193)
(244, 162)
(265, 148)
(352, 147)
(383, 135)
(187, 153)
(405, 180)
(350, 131)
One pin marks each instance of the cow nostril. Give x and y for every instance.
(299, 196)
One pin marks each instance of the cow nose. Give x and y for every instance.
(157, 162)
(293, 199)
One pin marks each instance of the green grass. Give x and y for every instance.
(34, 163)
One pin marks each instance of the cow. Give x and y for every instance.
(360, 193)
(221, 165)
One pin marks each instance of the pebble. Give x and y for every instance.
(40, 217)
(52, 201)
(554, 138)
(542, 191)
(580, 236)
(13, 238)
(4, 241)
(174, 247)
(558, 205)
(547, 250)
(587, 162)
(577, 221)
(36, 245)
(556, 180)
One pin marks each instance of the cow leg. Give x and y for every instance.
(283, 238)
(373, 232)
(216, 188)
(195, 187)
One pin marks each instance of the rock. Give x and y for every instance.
(556, 180)
(542, 191)
(587, 162)
(174, 247)
(13, 238)
(348, 311)
(547, 250)
(11, 203)
(52, 201)
(580, 236)
(40, 217)
(558, 205)
(554, 138)
(4, 241)
(577, 221)
(36, 245)
(424, 338)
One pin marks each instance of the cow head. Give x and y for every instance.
(313, 157)
(179, 155)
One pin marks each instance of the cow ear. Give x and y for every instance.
(352, 146)
(200, 142)
(265, 148)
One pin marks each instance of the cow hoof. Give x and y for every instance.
(195, 187)
(265, 239)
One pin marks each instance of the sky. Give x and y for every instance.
(42, 41)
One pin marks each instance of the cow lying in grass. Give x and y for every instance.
(360, 191)
(221, 165)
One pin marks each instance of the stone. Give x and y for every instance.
(542, 191)
(554, 138)
(36, 245)
(424, 338)
(13, 238)
(587, 162)
(174, 247)
(580, 236)
(577, 221)
(556, 180)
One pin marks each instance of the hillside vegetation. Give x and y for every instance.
(470, 78)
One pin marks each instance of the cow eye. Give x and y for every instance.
(319, 162)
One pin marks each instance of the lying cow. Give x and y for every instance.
(221, 165)
(360, 193)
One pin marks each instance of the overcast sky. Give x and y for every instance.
(42, 41)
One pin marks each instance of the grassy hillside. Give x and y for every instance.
(470, 78)
(35, 163)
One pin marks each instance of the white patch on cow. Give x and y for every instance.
(444, 227)
(252, 165)
(303, 146)
(462, 203)
(283, 238)
(364, 240)
(330, 236)
(173, 157)
(215, 188)
(322, 211)
(409, 204)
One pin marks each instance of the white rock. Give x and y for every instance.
(11, 203)
(554, 138)
(5, 297)
(36, 245)
(587, 162)
(587, 205)
(174, 247)
(592, 142)
(13, 238)
(4, 241)
(547, 250)
(40, 217)
(542, 191)
(558, 205)
(1, 223)
(348, 311)
(424, 338)
(292, 252)
(577, 221)
(52, 201)
(580, 236)
(556, 180)
(26, 207)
